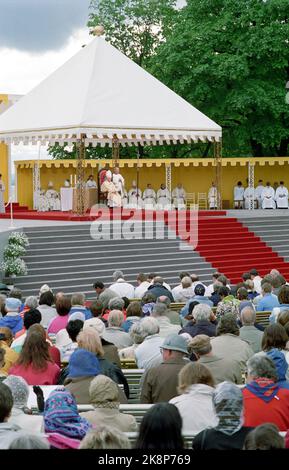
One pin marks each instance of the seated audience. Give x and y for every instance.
(248, 331)
(172, 315)
(204, 322)
(8, 430)
(117, 303)
(114, 333)
(31, 302)
(3, 375)
(66, 339)
(148, 352)
(142, 285)
(103, 294)
(137, 336)
(222, 369)
(160, 382)
(179, 287)
(157, 288)
(63, 425)
(264, 437)
(31, 317)
(195, 388)
(230, 432)
(97, 309)
(35, 363)
(275, 337)
(59, 322)
(45, 308)
(186, 292)
(11, 356)
(250, 289)
(12, 319)
(268, 300)
(166, 327)
(227, 304)
(105, 438)
(228, 342)
(160, 417)
(283, 317)
(210, 287)
(199, 296)
(104, 396)
(283, 299)
(78, 305)
(20, 414)
(133, 314)
(242, 296)
(120, 286)
(152, 276)
(264, 400)
(29, 442)
(148, 302)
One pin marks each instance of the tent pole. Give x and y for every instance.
(218, 171)
(80, 190)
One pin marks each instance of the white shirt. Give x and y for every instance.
(281, 196)
(257, 284)
(179, 193)
(148, 353)
(249, 192)
(163, 193)
(141, 289)
(166, 327)
(268, 192)
(258, 191)
(149, 193)
(176, 290)
(123, 288)
(118, 181)
(238, 193)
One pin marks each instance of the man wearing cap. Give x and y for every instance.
(160, 383)
(222, 369)
(12, 319)
(199, 296)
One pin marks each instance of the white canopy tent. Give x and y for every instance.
(102, 94)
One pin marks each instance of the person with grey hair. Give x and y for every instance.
(228, 343)
(203, 323)
(172, 315)
(137, 335)
(248, 331)
(179, 287)
(187, 292)
(117, 303)
(148, 353)
(114, 333)
(31, 302)
(29, 442)
(166, 327)
(158, 288)
(78, 305)
(265, 401)
(20, 415)
(121, 287)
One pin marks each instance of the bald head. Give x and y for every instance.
(248, 316)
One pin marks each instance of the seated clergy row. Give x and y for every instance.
(264, 197)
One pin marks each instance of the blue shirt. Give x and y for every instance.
(197, 298)
(267, 303)
(83, 310)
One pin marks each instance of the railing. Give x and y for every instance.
(11, 212)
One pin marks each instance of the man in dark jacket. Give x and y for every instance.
(203, 323)
(160, 383)
(158, 289)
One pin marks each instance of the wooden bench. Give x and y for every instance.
(263, 318)
(133, 377)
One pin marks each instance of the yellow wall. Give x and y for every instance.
(4, 169)
(196, 175)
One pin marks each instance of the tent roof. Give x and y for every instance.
(102, 93)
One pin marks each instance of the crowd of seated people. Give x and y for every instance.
(208, 366)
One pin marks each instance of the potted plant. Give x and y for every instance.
(13, 265)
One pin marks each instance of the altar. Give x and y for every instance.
(68, 198)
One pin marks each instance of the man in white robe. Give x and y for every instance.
(281, 196)
(239, 196)
(268, 197)
(108, 188)
(249, 194)
(149, 197)
(179, 197)
(163, 198)
(213, 197)
(43, 202)
(258, 193)
(91, 183)
(134, 197)
(53, 198)
(118, 181)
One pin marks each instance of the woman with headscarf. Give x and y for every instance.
(109, 188)
(104, 396)
(21, 415)
(62, 423)
(230, 432)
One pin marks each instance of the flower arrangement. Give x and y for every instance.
(13, 251)
(18, 238)
(16, 267)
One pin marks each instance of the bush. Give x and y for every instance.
(14, 266)
(18, 238)
(13, 251)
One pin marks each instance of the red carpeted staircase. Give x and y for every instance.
(231, 248)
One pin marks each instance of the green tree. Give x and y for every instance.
(230, 59)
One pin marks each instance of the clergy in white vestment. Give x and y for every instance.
(91, 183)
(268, 197)
(43, 203)
(53, 198)
(108, 188)
(179, 197)
(239, 195)
(213, 197)
(2, 189)
(258, 193)
(281, 196)
(134, 197)
(118, 180)
(249, 194)
(163, 198)
(149, 197)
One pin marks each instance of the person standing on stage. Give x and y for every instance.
(118, 181)
(179, 197)
(239, 196)
(91, 183)
(258, 193)
(2, 189)
(134, 197)
(281, 196)
(213, 197)
(149, 197)
(163, 197)
(268, 197)
(249, 194)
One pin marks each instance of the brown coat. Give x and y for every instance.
(223, 369)
(160, 383)
(111, 417)
(79, 387)
(111, 353)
